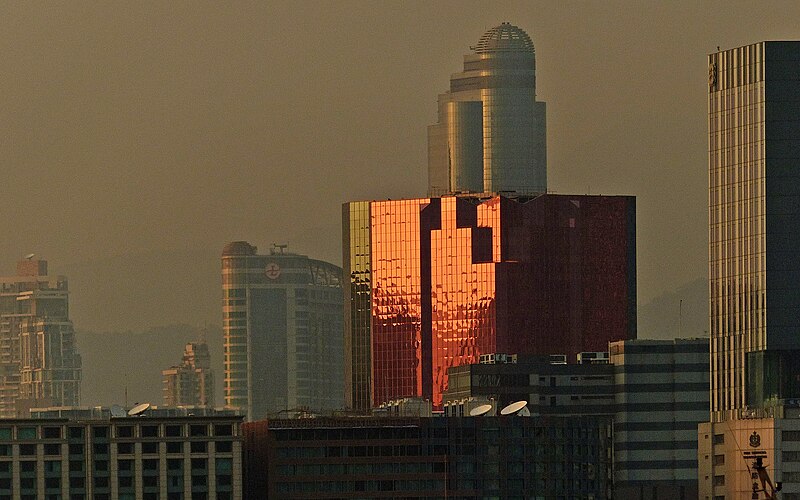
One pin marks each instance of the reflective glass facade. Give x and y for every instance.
(754, 225)
(491, 132)
(282, 323)
(455, 277)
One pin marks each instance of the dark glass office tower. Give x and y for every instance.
(491, 133)
(754, 226)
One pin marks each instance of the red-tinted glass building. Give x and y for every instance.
(456, 277)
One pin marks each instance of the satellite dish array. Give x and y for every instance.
(518, 408)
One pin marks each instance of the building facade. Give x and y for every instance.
(436, 282)
(491, 133)
(190, 383)
(122, 458)
(282, 324)
(662, 395)
(39, 360)
(754, 233)
(438, 457)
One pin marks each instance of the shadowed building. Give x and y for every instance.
(437, 282)
(491, 132)
(192, 382)
(282, 323)
(38, 354)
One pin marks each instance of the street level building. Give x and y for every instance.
(754, 272)
(436, 457)
(436, 282)
(491, 133)
(39, 360)
(121, 458)
(190, 383)
(282, 323)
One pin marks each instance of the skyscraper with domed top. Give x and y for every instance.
(491, 132)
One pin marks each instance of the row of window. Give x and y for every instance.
(124, 431)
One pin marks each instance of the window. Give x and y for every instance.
(27, 449)
(75, 432)
(52, 466)
(5, 433)
(223, 430)
(76, 449)
(150, 464)
(100, 432)
(174, 447)
(75, 465)
(149, 431)
(52, 432)
(125, 448)
(100, 465)
(719, 439)
(198, 430)
(719, 460)
(719, 480)
(198, 447)
(125, 431)
(26, 433)
(173, 431)
(224, 446)
(150, 447)
(791, 435)
(52, 449)
(125, 465)
(101, 482)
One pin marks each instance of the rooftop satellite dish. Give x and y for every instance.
(118, 411)
(480, 410)
(30, 256)
(518, 408)
(138, 409)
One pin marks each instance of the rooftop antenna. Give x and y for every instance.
(680, 317)
(279, 248)
(518, 408)
(138, 409)
(481, 410)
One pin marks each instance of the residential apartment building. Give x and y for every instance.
(190, 383)
(39, 360)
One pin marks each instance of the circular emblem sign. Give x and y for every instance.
(755, 440)
(273, 271)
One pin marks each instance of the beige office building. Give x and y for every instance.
(190, 383)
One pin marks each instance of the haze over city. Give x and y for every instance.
(139, 140)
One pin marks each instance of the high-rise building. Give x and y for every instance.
(39, 361)
(437, 282)
(282, 316)
(491, 132)
(754, 272)
(190, 383)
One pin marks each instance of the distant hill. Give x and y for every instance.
(113, 361)
(659, 318)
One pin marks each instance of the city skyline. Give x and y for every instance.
(148, 111)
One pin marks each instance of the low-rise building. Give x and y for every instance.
(142, 457)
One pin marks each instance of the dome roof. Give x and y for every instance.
(238, 248)
(504, 38)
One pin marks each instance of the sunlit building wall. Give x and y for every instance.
(453, 278)
(491, 132)
(754, 272)
(282, 324)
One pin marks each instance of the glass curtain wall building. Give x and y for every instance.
(754, 226)
(491, 133)
(453, 278)
(282, 323)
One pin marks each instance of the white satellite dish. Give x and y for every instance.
(480, 410)
(517, 408)
(138, 409)
(118, 411)
(30, 256)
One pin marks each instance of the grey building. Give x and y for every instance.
(754, 272)
(656, 392)
(282, 324)
(661, 389)
(491, 133)
(39, 360)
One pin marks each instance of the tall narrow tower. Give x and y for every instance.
(491, 133)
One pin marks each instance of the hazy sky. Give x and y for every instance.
(131, 130)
